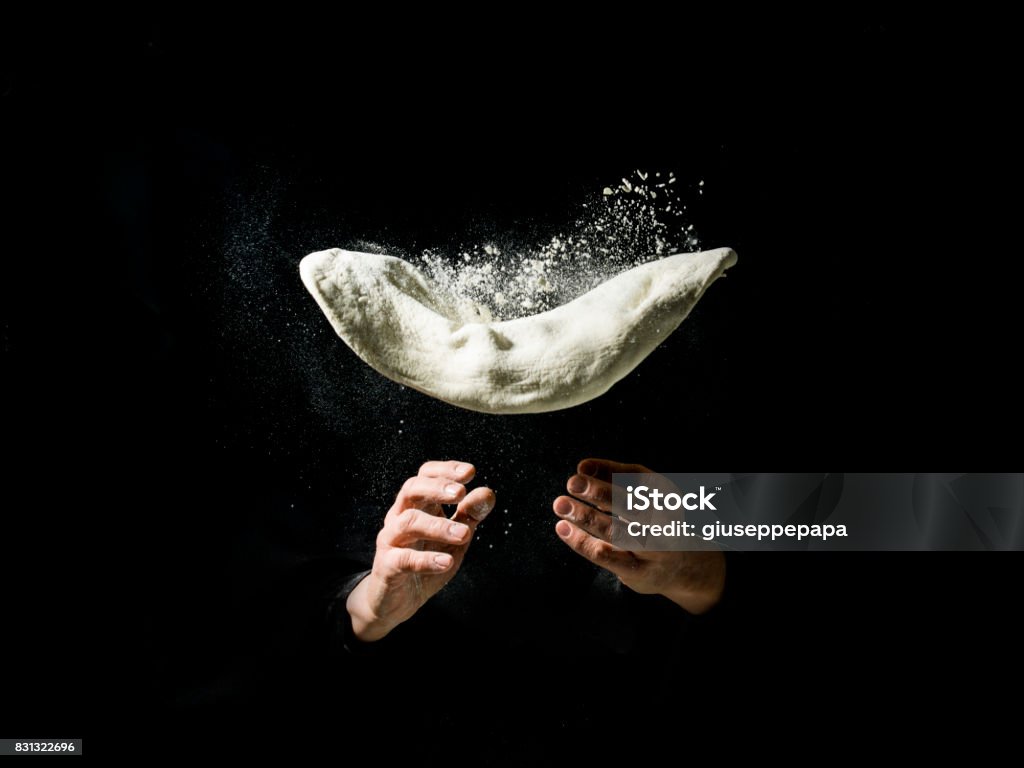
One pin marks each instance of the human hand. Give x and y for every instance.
(692, 580)
(419, 549)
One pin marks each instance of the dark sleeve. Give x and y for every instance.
(625, 622)
(615, 619)
(311, 618)
(768, 598)
(729, 608)
(338, 630)
(332, 624)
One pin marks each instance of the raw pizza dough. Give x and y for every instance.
(402, 325)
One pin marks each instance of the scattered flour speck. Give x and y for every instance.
(619, 229)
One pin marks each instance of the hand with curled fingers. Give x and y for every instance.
(692, 580)
(419, 548)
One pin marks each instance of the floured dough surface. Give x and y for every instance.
(402, 325)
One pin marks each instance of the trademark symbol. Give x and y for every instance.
(718, 487)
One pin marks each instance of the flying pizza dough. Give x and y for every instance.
(402, 325)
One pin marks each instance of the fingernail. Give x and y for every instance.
(452, 489)
(577, 484)
(563, 529)
(442, 561)
(458, 530)
(461, 469)
(481, 510)
(563, 507)
(588, 468)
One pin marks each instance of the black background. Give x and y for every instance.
(187, 433)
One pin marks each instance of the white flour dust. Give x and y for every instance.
(642, 218)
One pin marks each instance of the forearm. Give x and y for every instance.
(701, 588)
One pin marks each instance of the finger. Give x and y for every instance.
(601, 553)
(397, 561)
(415, 525)
(603, 469)
(421, 491)
(591, 490)
(475, 507)
(591, 520)
(460, 471)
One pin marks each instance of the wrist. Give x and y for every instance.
(367, 626)
(702, 596)
(695, 602)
